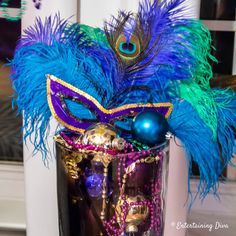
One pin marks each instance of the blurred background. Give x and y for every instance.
(218, 15)
(10, 126)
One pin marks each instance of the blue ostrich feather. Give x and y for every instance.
(211, 155)
(226, 109)
(81, 65)
(199, 145)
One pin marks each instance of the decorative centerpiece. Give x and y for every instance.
(119, 93)
(105, 178)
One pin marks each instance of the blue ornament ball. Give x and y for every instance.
(150, 128)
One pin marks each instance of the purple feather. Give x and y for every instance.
(171, 48)
(51, 30)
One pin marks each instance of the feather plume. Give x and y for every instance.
(51, 48)
(226, 129)
(203, 101)
(199, 145)
(172, 48)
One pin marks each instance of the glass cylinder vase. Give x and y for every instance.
(112, 194)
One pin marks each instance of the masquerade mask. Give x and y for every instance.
(60, 92)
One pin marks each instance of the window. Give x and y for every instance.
(11, 148)
(220, 17)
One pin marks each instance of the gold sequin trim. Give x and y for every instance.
(53, 110)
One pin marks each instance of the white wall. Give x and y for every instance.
(40, 182)
(193, 8)
(94, 13)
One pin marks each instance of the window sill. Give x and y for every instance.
(12, 203)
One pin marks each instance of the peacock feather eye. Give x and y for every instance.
(128, 50)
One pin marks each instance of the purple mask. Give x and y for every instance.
(58, 90)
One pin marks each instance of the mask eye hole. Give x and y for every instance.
(128, 49)
(78, 110)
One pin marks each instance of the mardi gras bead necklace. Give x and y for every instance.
(5, 10)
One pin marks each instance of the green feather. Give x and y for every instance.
(203, 72)
(197, 89)
(203, 101)
(94, 34)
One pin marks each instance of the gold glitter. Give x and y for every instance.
(53, 111)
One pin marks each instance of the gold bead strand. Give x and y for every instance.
(104, 193)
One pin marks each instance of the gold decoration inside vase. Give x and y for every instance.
(99, 135)
(136, 214)
(108, 169)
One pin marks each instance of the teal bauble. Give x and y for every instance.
(150, 128)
